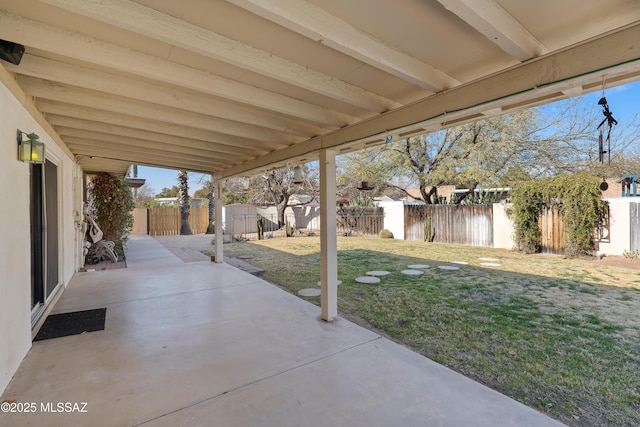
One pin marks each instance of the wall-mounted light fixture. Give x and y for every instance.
(30, 150)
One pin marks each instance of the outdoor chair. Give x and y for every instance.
(104, 248)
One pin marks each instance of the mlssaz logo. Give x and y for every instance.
(63, 407)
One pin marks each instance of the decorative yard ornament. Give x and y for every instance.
(298, 175)
(365, 186)
(610, 121)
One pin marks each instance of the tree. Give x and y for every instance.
(513, 175)
(168, 192)
(212, 207)
(235, 191)
(278, 186)
(469, 155)
(202, 193)
(183, 199)
(207, 192)
(498, 151)
(143, 196)
(567, 134)
(376, 165)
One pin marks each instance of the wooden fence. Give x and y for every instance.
(473, 225)
(460, 224)
(360, 220)
(166, 221)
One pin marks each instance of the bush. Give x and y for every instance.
(578, 198)
(288, 228)
(386, 234)
(111, 206)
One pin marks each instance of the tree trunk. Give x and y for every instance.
(183, 199)
(212, 207)
(280, 208)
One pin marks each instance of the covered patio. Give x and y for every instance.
(236, 88)
(206, 344)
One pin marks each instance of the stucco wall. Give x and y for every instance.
(502, 227)
(239, 219)
(15, 246)
(394, 217)
(619, 226)
(305, 216)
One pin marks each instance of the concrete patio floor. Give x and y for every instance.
(204, 344)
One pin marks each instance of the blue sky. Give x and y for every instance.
(624, 102)
(158, 178)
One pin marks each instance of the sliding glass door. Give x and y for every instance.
(44, 235)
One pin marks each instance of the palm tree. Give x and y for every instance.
(183, 201)
(212, 199)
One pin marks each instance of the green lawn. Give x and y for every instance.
(560, 335)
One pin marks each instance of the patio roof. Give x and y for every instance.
(231, 87)
(203, 344)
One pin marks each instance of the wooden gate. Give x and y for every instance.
(634, 215)
(552, 234)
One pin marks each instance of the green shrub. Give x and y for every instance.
(578, 198)
(429, 232)
(288, 228)
(386, 234)
(111, 205)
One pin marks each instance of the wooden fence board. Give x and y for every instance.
(460, 224)
(361, 220)
(166, 221)
(552, 233)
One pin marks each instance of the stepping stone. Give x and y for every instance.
(490, 264)
(489, 259)
(418, 266)
(339, 282)
(309, 292)
(412, 272)
(458, 262)
(245, 256)
(448, 267)
(377, 273)
(367, 279)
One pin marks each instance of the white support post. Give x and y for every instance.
(218, 226)
(328, 239)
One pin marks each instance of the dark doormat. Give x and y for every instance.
(77, 322)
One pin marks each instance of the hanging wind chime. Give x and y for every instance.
(610, 121)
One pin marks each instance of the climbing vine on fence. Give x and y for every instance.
(577, 196)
